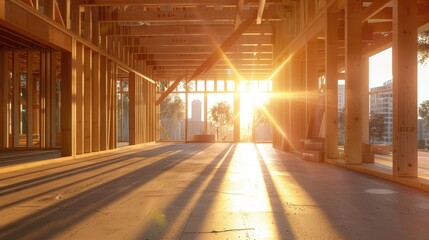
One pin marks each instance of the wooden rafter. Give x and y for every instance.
(212, 60)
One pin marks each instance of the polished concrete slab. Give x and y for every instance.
(205, 191)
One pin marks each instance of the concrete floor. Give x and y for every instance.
(206, 191)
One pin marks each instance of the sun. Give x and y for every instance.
(250, 100)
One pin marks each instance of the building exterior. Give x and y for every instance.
(381, 102)
(341, 96)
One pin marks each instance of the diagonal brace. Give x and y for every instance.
(213, 58)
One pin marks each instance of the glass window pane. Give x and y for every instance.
(220, 85)
(210, 85)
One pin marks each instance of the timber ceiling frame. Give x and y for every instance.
(174, 38)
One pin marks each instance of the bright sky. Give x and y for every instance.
(380, 70)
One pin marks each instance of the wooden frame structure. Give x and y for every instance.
(304, 46)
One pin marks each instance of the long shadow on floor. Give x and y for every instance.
(47, 222)
(183, 201)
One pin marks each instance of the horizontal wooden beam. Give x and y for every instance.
(195, 41)
(174, 30)
(187, 57)
(197, 49)
(208, 3)
(221, 62)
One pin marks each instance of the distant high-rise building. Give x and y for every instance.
(341, 97)
(196, 110)
(381, 102)
(195, 123)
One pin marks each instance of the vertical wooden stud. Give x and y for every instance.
(68, 102)
(79, 99)
(15, 100)
(4, 83)
(30, 102)
(103, 103)
(88, 74)
(96, 102)
(132, 108)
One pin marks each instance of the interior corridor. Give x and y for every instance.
(206, 191)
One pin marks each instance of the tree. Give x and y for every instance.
(376, 127)
(423, 47)
(424, 113)
(220, 116)
(172, 111)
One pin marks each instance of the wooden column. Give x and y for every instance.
(4, 83)
(42, 108)
(312, 84)
(15, 100)
(103, 103)
(30, 96)
(353, 28)
(297, 106)
(68, 102)
(95, 102)
(236, 115)
(331, 103)
(405, 88)
(79, 99)
(285, 107)
(132, 107)
(113, 107)
(87, 100)
(53, 97)
(365, 99)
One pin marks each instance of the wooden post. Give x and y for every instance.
(15, 101)
(4, 83)
(365, 99)
(53, 97)
(87, 100)
(353, 27)
(30, 102)
(79, 99)
(132, 107)
(405, 88)
(68, 102)
(103, 103)
(331, 103)
(95, 102)
(48, 99)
